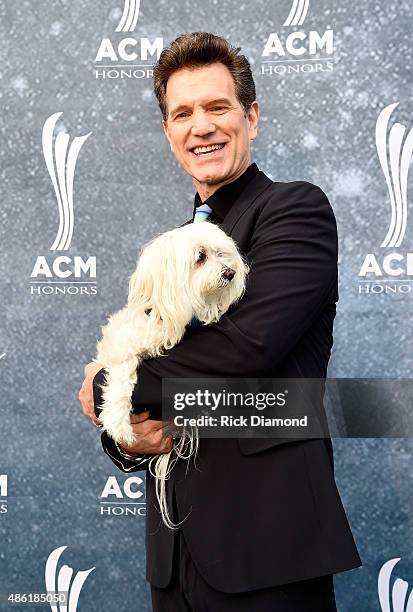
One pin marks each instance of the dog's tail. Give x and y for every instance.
(161, 466)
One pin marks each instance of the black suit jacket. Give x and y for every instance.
(261, 512)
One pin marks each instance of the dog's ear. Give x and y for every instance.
(170, 299)
(160, 282)
(140, 283)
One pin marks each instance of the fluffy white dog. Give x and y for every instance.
(194, 271)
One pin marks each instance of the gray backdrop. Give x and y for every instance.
(319, 113)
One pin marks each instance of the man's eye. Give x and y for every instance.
(201, 257)
(181, 115)
(218, 108)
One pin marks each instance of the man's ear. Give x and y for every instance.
(166, 132)
(253, 116)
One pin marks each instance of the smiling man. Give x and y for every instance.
(216, 151)
(263, 527)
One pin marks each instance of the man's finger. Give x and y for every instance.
(146, 427)
(86, 392)
(139, 418)
(88, 408)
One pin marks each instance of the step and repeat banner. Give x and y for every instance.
(87, 177)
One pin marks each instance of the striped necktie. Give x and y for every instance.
(202, 213)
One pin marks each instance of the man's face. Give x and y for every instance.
(203, 110)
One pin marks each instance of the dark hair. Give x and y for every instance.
(200, 49)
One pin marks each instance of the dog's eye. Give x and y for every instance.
(201, 257)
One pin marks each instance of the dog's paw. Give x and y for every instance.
(120, 429)
(128, 438)
(123, 434)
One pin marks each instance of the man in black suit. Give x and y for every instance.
(265, 528)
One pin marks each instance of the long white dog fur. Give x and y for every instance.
(194, 271)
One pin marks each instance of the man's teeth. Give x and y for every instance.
(208, 149)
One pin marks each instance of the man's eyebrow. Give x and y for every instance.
(185, 106)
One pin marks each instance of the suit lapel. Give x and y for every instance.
(259, 183)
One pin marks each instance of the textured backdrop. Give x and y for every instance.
(321, 93)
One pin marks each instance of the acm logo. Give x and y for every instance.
(51, 275)
(394, 147)
(3, 493)
(125, 499)
(395, 599)
(129, 17)
(64, 585)
(299, 50)
(127, 57)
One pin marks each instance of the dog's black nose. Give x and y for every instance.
(228, 274)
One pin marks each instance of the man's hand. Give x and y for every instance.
(150, 440)
(86, 392)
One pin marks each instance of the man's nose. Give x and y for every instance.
(202, 125)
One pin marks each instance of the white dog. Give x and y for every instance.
(194, 271)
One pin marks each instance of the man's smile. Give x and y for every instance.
(207, 150)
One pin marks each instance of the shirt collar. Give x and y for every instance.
(221, 201)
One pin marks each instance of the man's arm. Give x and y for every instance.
(293, 259)
(150, 440)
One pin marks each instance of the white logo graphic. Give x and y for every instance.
(61, 162)
(298, 50)
(297, 13)
(65, 583)
(127, 57)
(3, 355)
(123, 499)
(112, 487)
(399, 591)
(3, 485)
(3, 494)
(129, 17)
(394, 156)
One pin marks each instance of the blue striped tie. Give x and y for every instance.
(202, 213)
